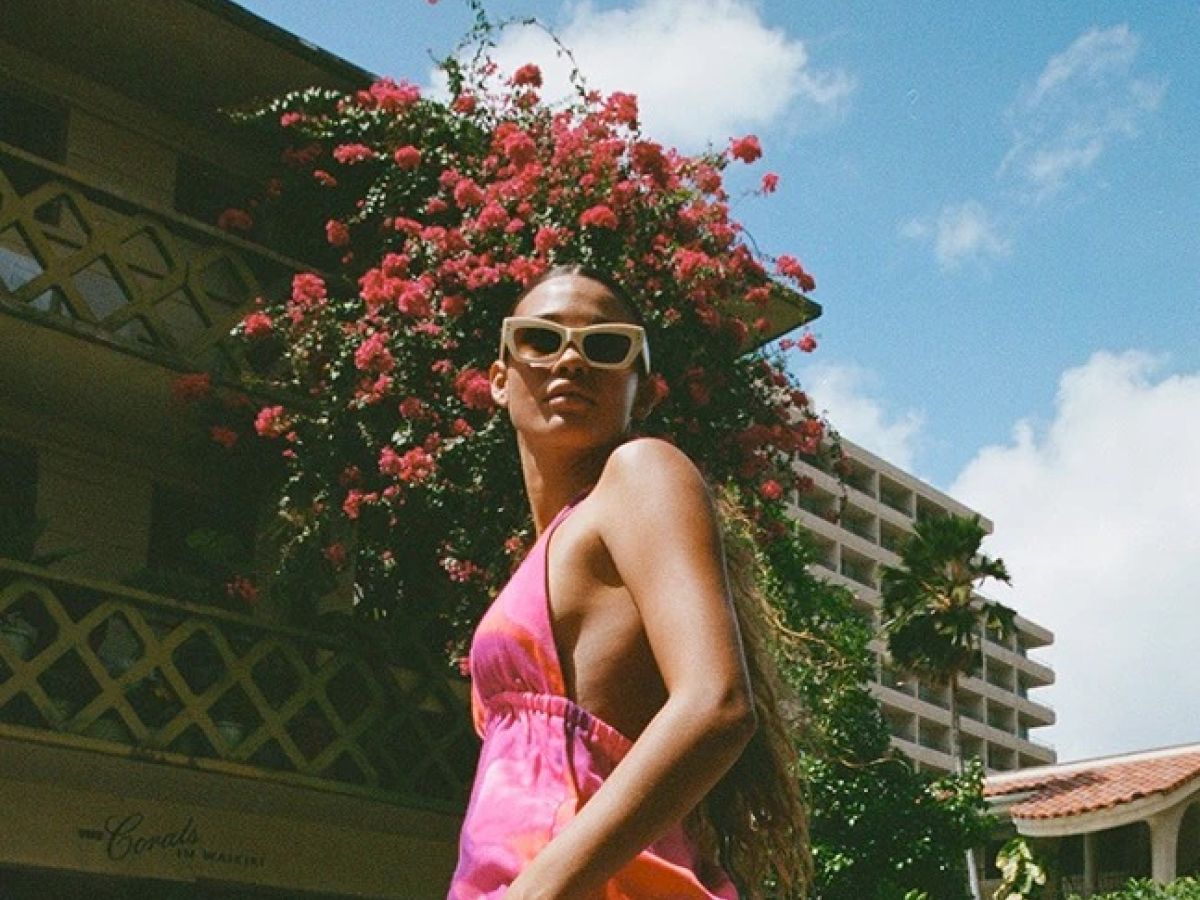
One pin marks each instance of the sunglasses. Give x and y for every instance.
(540, 342)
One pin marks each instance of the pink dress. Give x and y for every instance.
(543, 757)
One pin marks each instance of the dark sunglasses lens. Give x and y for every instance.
(607, 348)
(534, 342)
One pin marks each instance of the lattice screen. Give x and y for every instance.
(144, 280)
(115, 669)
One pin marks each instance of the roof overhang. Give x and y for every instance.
(1137, 810)
(189, 57)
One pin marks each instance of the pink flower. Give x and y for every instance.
(257, 325)
(323, 178)
(464, 104)
(770, 182)
(454, 305)
(352, 154)
(747, 148)
(337, 555)
(528, 74)
(461, 570)
(519, 147)
(412, 408)
(337, 233)
(491, 217)
(308, 288)
(242, 588)
(372, 355)
(224, 436)
(192, 386)
(659, 389)
(807, 343)
(234, 219)
(352, 505)
(599, 216)
(412, 467)
(547, 238)
(474, 389)
(467, 193)
(407, 157)
(389, 95)
(647, 157)
(395, 265)
(771, 489)
(622, 109)
(288, 119)
(413, 299)
(790, 267)
(271, 422)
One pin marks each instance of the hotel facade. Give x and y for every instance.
(858, 525)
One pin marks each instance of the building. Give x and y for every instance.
(151, 747)
(1099, 822)
(858, 529)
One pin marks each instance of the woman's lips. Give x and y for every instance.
(566, 394)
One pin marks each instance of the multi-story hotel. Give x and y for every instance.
(858, 525)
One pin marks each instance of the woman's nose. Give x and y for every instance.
(570, 359)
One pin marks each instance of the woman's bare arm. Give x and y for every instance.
(659, 526)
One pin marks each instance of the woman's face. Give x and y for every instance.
(569, 401)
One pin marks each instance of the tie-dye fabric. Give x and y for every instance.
(543, 757)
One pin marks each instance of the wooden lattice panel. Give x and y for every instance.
(146, 281)
(117, 669)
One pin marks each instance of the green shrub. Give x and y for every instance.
(1145, 889)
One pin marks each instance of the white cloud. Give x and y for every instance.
(844, 392)
(1085, 98)
(703, 70)
(1097, 515)
(961, 232)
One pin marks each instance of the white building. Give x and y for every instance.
(858, 528)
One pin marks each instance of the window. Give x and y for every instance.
(18, 501)
(33, 127)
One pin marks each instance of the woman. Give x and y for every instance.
(609, 679)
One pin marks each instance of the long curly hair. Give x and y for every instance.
(754, 821)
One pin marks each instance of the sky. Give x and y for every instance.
(1000, 202)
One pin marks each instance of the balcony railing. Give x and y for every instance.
(115, 670)
(78, 256)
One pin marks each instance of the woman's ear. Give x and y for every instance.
(498, 381)
(649, 393)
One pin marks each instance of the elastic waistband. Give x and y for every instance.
(593, 729)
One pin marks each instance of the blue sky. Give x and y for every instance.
(1001, 205)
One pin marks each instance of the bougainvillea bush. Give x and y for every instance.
(432, 214)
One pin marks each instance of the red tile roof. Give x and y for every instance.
(1076, 788)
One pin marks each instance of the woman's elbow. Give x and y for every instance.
(732, 718)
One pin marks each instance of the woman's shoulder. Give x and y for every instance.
(650, 470)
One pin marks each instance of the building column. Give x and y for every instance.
(1164, 843)
(1089, 863)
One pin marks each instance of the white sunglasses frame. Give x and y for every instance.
(576, 336)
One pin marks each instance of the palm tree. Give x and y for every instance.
(933, 617)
